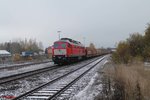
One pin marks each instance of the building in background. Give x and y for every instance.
(5, 56)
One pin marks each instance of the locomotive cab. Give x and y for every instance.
(67, 50)
(60, 52)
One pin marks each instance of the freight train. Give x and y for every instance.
(67, 50)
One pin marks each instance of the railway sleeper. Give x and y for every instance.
(37, 97)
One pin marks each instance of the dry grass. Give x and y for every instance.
(133, 81)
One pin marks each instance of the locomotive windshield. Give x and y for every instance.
(60, 45)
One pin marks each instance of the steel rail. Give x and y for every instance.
(14, 77)
(7, 79)
(53, 97)
(49, 83)
(22, 65)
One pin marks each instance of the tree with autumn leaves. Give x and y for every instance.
(136, 46)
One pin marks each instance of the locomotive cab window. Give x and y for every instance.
(60, 45)
(63, 45)
(56, 45)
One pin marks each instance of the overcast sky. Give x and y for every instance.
(103, 22)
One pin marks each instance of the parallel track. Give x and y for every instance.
(15, 77)
(21, 66)
(44, 93)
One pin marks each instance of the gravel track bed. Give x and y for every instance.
(25, 69)
(81, 84)
(18, 87)
(20, 65)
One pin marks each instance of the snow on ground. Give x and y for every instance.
(10, 64)
(90, 91)
(25, 69)
(94, 87)
(23, 86)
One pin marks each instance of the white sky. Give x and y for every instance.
(103, 22)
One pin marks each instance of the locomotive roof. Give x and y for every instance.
(71, 41)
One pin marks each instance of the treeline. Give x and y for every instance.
(19, 46)
(136, 47)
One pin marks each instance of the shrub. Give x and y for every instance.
(122, 54)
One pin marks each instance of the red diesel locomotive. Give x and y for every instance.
(67, 50)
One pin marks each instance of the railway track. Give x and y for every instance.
(56, 88)
(7, 79)
(21, 66)
(15, 77)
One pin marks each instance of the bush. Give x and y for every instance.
(122, 54)
(136, 46)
